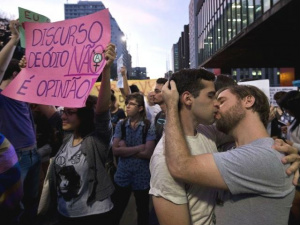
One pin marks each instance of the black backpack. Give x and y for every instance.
(145, 129)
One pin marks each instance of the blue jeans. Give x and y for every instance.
(30, 164)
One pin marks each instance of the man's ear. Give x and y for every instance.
(186, 98)
(249, 101)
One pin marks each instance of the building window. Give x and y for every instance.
(219, 33)
(229, 20)
(267, 5)
(244, 13)
(215, 37)
(251, 11)
(210, 40)
(258, 10)
(238, 16)
(225, 30)
(233, 17)
(221, 27)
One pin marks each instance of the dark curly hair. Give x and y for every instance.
(190, 80)
(161, 80)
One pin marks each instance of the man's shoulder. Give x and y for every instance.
(261, 147)
(160, 148)
(158, 163)
(201, 144)
(254, 168)
(258, 151)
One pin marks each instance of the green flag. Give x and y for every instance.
(26, 15)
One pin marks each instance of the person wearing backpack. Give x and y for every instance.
(133, 143)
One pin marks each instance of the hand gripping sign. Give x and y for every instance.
(64, 59)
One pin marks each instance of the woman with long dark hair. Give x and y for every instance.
(80, 187)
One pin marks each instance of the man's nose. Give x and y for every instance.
(217, 104)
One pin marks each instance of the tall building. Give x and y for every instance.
(121, 45)
(185, 47)
(193, 37)
(83, 8)
(139, 73)
(249, 39)
(175, 58)
(181, 51)
(128, 61)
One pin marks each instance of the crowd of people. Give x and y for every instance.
(197, 146)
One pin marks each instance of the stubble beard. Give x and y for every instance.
(230, 119)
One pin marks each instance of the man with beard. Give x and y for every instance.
(254, 188)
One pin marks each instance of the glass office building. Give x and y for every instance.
(226, 23)
(219, 21)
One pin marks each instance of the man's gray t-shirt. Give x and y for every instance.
(260, 192)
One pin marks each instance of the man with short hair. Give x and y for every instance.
(152, 109)
(188, 204)
(254, 188)
(160, 118)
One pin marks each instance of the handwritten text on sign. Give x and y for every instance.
(64, 59)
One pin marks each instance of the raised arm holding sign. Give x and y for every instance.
(8, 50)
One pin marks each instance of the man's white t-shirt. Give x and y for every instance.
(151, 111)
(200, 200)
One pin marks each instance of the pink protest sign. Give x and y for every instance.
(64, 59)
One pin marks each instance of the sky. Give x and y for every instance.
(151, 27)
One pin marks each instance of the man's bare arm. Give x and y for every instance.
(169, 213)
(201, 169)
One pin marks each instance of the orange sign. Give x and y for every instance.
(145, 86)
